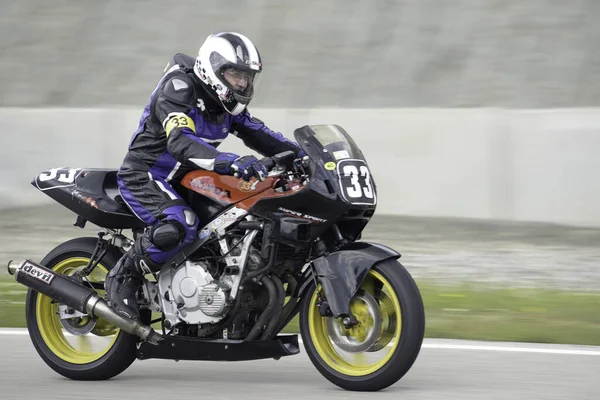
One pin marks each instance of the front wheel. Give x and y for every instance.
(381, 349)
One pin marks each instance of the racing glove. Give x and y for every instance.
(244, 167)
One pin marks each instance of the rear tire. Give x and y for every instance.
(46, 331)
(404, 351)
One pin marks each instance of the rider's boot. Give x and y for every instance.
(125, 279)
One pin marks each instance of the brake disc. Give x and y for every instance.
(368, 311)
(76, 322)
(389, 323)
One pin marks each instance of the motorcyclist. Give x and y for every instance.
(194, 107)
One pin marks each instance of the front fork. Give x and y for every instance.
(349, 320)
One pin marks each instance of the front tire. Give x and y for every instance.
(385, 344)
(99, 354)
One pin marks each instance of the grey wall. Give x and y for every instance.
(484, 163)
(377, 53)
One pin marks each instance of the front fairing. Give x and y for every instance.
(340, 191)
(338, 163)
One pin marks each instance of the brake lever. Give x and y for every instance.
(260, 178)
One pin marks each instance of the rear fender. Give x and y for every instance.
(342, 272)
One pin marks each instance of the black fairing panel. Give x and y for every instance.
(301, 217)
(342, 272)
(90, 193)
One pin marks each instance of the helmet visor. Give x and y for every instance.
(241, 82)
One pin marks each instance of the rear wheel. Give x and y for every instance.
(381, 349)
(76, 345)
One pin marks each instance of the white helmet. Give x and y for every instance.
(229, 64)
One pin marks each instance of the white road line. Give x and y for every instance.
(14, 331)
(509, 347)
(552, 350)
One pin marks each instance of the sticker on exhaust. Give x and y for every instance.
(37, 273)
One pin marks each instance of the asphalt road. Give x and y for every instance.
(445, 369)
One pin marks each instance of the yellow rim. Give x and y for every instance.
(75, 349)
(360, 363)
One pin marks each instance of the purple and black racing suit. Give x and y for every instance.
(180, 129)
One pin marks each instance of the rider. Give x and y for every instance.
(195, 105)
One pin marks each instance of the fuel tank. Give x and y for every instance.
(209, 193)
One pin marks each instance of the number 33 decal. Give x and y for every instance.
(65, 175)
(57, 178)
(355, 181)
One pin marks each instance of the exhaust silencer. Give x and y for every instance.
(71, 293)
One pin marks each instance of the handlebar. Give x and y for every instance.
(268, 162)
(279, 165)
(284, 159)
(285, 162)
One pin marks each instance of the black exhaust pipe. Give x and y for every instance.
(71, 293)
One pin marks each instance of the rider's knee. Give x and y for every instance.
(178, 228)
(168, 235)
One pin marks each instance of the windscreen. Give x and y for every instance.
(333, 138)
(334, 149)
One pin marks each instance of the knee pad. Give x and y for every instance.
(168, 235)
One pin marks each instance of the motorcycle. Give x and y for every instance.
(272, 249)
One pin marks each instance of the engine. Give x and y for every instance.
(202, 292)
(190, 294)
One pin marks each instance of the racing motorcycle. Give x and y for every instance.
(272, 249)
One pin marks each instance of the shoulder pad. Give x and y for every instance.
(179, 89)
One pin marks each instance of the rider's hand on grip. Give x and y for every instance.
(247, 167)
